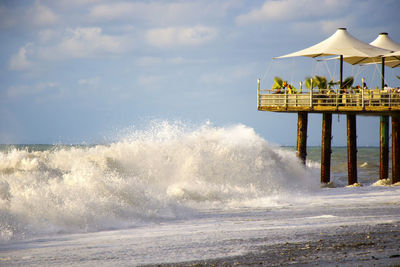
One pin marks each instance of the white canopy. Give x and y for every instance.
(385, 42)
(341, 43)
(393, 59)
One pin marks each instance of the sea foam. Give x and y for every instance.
(166, 171)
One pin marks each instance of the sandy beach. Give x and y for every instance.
(363, 245)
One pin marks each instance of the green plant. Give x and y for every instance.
(278, 83)
(321, 82)
(331, 84)
(309, 83)
(348, 82)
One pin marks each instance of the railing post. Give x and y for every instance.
(285, 98)
(362, 98)
(258, 93)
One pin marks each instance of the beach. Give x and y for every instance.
(350, 246)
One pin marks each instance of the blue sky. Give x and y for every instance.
(80, 71)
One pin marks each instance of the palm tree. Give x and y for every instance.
(348, 82)
(309, 83)
(278, 83)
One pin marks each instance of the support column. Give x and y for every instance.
(326, 147)
(395, 149)
(351, 149)
(384, 148)
(302, 118)
(383, 136)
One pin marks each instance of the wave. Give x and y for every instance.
(166, 171)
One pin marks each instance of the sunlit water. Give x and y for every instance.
(174, 193)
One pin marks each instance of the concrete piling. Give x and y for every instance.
(384, 148)
(302, 119)
(351, 149)
(395, 149)
(326, 147)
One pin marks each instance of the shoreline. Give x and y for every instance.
(362, 245)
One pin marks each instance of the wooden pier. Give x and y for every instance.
(351, 102)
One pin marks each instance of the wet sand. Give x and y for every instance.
(362, 245)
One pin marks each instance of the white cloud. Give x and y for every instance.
(42, 15)
(92, 82)
(86, 42)
(228, 75)
(48, 35)
(171, 36)
(153, 61)
(149, 80)
(114, 10)
(19, 61)
(163, 12)
(287, 10)
(21, 90)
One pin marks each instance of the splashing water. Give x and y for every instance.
(164, 172)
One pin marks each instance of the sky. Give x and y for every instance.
(83, 71)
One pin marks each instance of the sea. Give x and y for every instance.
(174, 193)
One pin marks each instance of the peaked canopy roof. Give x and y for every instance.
(341, 43)
(384, 41)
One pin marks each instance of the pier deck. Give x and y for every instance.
(374, 102)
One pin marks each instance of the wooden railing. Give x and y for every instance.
(351, 99)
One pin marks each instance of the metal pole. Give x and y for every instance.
(326, 147)
(351, 149)
(395, 148)
(341, 71)
(383, 73)
(302, 118)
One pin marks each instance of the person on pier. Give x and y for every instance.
(290, 88)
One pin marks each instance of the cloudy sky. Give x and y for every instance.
(81, 71)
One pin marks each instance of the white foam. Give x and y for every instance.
(165, 171)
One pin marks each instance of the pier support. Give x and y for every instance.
(326, 147)
(384, 148)
(395, 149)
(302, 118)
(351, 149)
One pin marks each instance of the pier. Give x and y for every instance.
(350, 102)
(345, 99)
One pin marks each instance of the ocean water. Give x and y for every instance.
(171, 193)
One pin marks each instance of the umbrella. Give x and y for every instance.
(344, 44)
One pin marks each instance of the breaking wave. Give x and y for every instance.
(167, 171)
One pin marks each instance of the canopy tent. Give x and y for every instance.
(382, 41)
(340, 43)
(392, 59)
(343, 44)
